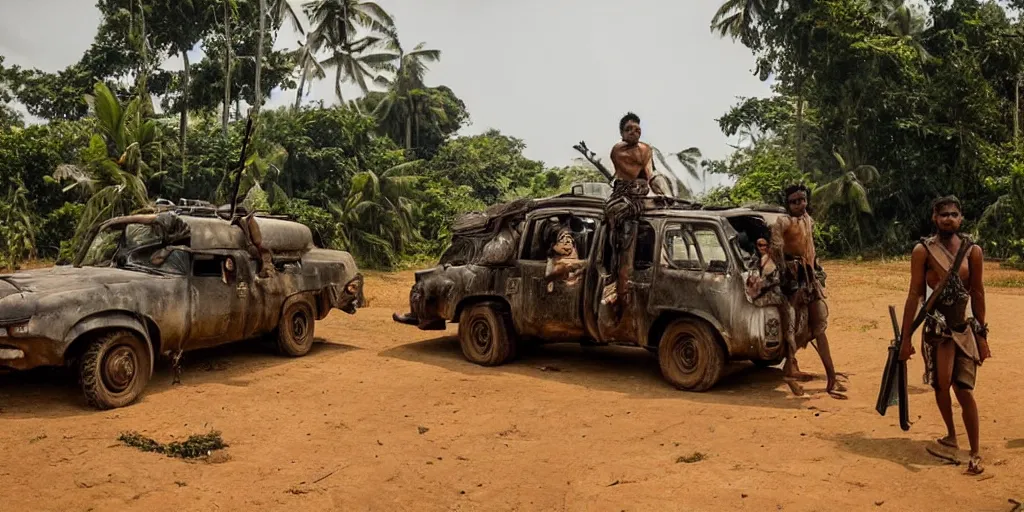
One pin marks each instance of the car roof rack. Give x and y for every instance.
(200, 208)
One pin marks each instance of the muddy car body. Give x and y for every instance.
(160, 284)
(690, 269)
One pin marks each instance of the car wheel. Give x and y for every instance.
(295, 329)
(486, 334)
(690, 356)
(766, 363)
(114, 369)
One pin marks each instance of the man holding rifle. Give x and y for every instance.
(953, 346)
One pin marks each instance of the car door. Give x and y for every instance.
(632, 325)
(552, 307)
(219, 300)
(693, 270)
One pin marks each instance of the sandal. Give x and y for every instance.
(950, 444)
(974, 466)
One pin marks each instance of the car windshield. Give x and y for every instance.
(130, 247)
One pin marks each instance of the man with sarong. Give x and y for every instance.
(953, 346)
(634, 169)
(802, 281)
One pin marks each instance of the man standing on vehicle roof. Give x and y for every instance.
(803, 284)
(953, 345)
(634, 169)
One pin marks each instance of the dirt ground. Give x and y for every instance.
(382, 416)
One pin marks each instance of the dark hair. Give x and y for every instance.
(627, 118)
(792, 189)
(946, 201)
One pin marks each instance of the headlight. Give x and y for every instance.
(353, 286)
(14, 330)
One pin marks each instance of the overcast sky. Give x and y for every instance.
(551, 72)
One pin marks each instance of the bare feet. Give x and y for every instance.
(949, 441)
(974, 466)
(835, 389)
(795, 387)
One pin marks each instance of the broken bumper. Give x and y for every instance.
(351, 296)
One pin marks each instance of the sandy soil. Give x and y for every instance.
(382, 416)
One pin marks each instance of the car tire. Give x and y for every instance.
(486, 334)
(114, 369)
(690, 356)
(766, 363)
(295, 329)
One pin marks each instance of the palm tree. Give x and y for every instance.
(354, 64)
(738, 19)
(848, 190)
(308, 66)
(341, 19)
(113, 168)
(335, 25)
(407, 85)
(690, 160)
(903, 22)
(377, 219)
(280, 10)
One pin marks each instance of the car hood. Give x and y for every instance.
(65, 279)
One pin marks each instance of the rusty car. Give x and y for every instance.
(162, 283)
(689, 303)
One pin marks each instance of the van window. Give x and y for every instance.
(544, 230)
(688, 248)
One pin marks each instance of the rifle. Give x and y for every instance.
(659, 183)
(592, 158)
(241, 166)
(894, 378)
(895, 371)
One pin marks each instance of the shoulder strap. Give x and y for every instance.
(965, 245)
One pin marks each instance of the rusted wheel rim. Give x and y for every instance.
(300, 326)
(480, 331)
(119, 368)
(685, 353)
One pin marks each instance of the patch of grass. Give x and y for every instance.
(1006, 282)
(693, 457)
(868, 326)
(197, 445)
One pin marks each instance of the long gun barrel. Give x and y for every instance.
(592, 158)
(241, 166)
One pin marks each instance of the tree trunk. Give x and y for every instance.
(143, 88)
(259, 55)
(302, 87)
(800, 124)
(183, 124)
(337, 85)
(408, 123)
(227, 70)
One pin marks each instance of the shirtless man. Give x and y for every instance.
(953, 345)
(634, 168)
(802, 282)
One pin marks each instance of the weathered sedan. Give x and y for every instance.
(165, 283)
